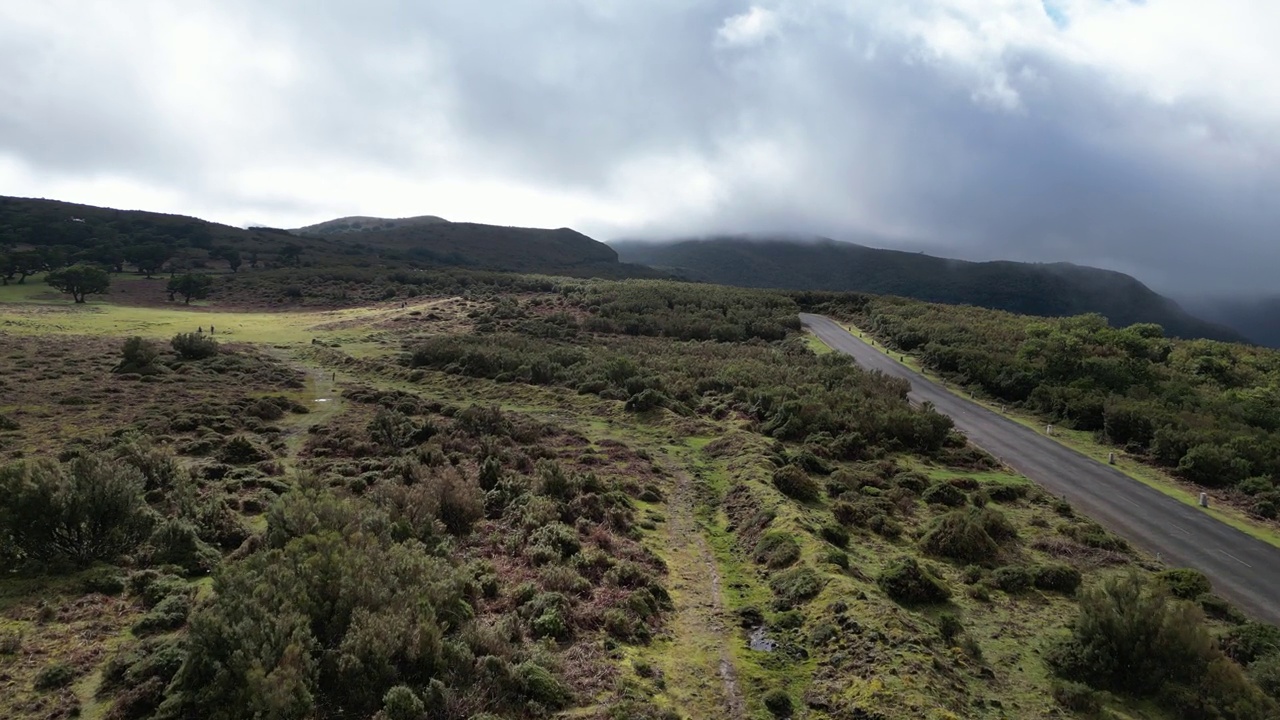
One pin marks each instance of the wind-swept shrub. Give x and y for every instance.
(776, 549)
(194, 346)
(1186, 583)
(907, 582)
(1132, 637)
(794, 482)
(960, 535)
(87, 510)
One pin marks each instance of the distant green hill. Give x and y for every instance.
(48, 233)
(488, 247)
(1057, 289)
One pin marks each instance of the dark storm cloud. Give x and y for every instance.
(978, 129)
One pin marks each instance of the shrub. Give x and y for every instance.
(911, 480)
(1012, 578)
(835, 534)
(564, 579)
(104, 580)
(776, 549)
(240, 450)
(137, 356)
(949, 628)
(1250, 641)
(1265, 673)
(170, 614)
(194, 346)
(1057, 577)
(402, 703)
(944, 494)
(1129, 636)
(960, 535)
(55, 676)
(1186, 583)
(1091, 534)
(8, 424)
(539, 685)
(560, 538)
(778, 703)
(795, 586)
(88, 510)
(1006, 493)
(794, 482)
(1077, 697)
(176, 542)
(905, 581)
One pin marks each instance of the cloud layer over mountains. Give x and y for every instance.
(1139, 136)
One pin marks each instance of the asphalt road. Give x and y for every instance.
(1243, 570)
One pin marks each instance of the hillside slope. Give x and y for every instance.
(490, 247)
(61, 232)
(1058, 289)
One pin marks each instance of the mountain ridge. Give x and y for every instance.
(1045, 289)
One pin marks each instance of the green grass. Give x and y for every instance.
(1085, 444)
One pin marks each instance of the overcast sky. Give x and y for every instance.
(1139, 136)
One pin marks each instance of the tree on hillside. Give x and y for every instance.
(253, 259)
(79, 281)
(20, 264)
(148, 258)
(190, 286)
(291, 254)
(231, 255)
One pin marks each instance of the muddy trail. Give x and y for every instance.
(702, 634)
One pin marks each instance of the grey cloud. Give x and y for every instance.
(880, 142)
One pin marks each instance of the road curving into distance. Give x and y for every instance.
(1244, 570)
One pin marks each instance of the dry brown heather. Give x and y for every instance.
(607, 521)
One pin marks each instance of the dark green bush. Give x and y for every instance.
(776, 549)
(907, 582)
(1002, 493)
(1077, 697)
(1186, 583)
(794, 482)
(1012, 578)
(402, 703)
(169, 614)
(1265, 673)
(949, 628)
(795, 586)
(55, 676)
(835, 534)
(944, 494)
(105, 580)
(1132, 637)
(194, 346)
(87, 510)
(1057, 577)
(137, 356)
(912, 481)
(1250, 641)
(539, 685)
(176, 542)
(960, 535)
(778, 703)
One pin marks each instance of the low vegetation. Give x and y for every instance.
(1205, 411)
(549, 500)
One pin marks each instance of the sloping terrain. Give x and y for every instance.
(492, 496)
(39, 235)
(1058, 289)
